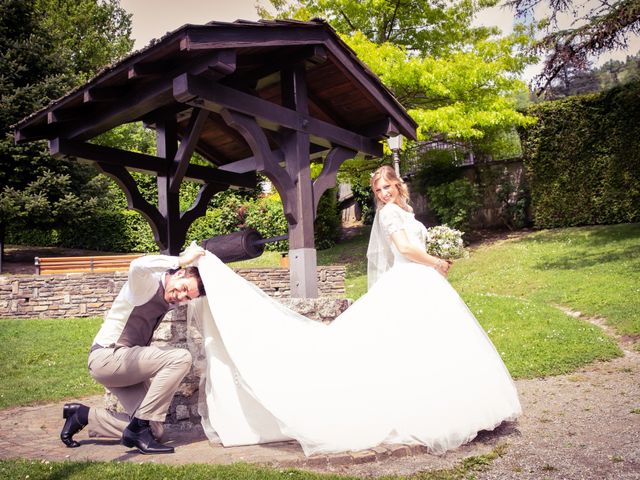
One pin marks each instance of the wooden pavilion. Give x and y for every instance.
(249, 97)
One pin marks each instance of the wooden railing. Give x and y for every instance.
(105, 263)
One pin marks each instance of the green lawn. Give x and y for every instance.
(45, 359)
(594, 270)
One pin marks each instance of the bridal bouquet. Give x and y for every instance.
(445, 242)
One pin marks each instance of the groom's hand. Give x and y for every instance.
(190, 255)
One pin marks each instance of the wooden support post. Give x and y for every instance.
(296, 148)
(168, 201)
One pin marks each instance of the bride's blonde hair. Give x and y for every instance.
(388, 174)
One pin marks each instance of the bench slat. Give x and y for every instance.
(102, 263)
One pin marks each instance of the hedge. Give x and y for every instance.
(582, 159)
(121, 230)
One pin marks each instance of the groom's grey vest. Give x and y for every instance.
(127, 325)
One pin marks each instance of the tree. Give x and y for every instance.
(431, 28)
(599, 26)
(455, 79)
(49, 47)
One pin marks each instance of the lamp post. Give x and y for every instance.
(395, 144)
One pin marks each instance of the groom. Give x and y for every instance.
(143, 377)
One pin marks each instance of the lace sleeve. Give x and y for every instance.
(391, 219)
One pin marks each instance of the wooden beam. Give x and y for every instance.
(377, 92)
(187, 146)
(168, 201)
(315, 54)
(197, 92)
(382, 128)
(135, 200)
(265, 161)
(327, 177)
(219, 63)
(250, 164)
(199, 206)
(102, 94)
(61, 116)
(60, 147)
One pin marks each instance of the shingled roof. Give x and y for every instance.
(242, 57)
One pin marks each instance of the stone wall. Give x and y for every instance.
(85, 295)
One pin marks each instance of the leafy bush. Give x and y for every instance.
(327, 224)
(437, 166)
(454, 203)
(267, 217)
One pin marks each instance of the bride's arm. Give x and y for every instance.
(416, 254)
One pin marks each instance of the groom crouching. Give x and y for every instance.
(144, 378)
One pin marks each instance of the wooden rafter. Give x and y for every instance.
(141, 162)
(195, 91)
(187, 147)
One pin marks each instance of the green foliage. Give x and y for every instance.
(436, 166)
(583, 159)
(401, 23)
(454, 203)
(49, 47)
(459, 95)
(327, 224)
(89, 34)
(267, 217)
(455, 79)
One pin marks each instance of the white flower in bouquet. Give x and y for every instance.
(445, 242)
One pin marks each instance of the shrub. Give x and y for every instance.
(267, 217)
(583, 159)
(454, 203)
(327, 224)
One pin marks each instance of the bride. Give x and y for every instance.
(406, 364)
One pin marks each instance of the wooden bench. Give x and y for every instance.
(101, 263)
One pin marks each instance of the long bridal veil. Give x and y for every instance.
(406, 363)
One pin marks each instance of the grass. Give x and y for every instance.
(45, 360)
(45, 470)
(594, 270)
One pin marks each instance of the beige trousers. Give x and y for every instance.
(144, 379)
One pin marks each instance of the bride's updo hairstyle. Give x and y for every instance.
(388, 174)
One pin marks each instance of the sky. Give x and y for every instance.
(154, 18)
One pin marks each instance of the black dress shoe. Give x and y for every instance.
(144, 442)
(72, 424)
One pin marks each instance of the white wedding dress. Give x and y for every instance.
(405, 364)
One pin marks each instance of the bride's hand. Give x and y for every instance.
(442, 267)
